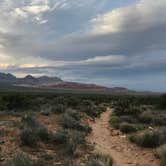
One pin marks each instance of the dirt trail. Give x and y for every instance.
(110, 141)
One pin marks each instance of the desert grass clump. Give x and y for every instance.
(161, 154)
(100, 160)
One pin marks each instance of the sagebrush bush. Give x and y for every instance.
(99, 160)
(128, 119)
(61, 136)
(19, 159)
(28, 137)
(127, 127)
(72, 121)
(159, 119)
(32, 132)
(161, 154)
(75, 140)
(30, 121)
(68, 121)
(75, 114)
(58, 109)
(71, 139)
(146, 117)
(114, 121)
(162, 101)
(43, 134)
(90, 108)
(149, 138)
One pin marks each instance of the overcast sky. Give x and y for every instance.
(107, 42)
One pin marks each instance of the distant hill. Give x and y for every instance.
(45, 83)
(27, 80)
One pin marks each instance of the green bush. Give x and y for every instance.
(127, 127)
(146, 117)
(149, 138)
(75, 140)
(72, 121)
(61, 136)
(58, 109)
(43, 134)
(161, 154)
(15, 102)
(71, 139)
(114, 121)
(32, 131)
(28, 137)
(90, 108)
(162, 101)
(159, 120)
(99, 160)
(30, 121)
(75, 114)
(19, 159)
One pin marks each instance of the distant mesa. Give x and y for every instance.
(46, 82)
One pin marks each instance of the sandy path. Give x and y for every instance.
(110, 141)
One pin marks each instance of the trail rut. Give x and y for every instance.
(114, 143)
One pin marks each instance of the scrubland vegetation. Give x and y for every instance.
(47, 129)
(144, 120)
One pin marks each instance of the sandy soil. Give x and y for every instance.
(114, 143)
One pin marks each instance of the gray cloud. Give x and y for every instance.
(80, 40)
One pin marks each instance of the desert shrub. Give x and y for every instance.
(30, 121)
(72, 121)
(99, 160)
(114, 121)
(71, 139)
(75, 114)
(162, 101)
(43, 134)
(19, 159)
(15, 102)
(90, 108)
(149, 138)
(128, 118)
(61, 136)
(127, 127)
(28, 137)
(58, 109)
(159, 120)
(32, 131)
(75, 140)
(68, 121)
(45, 112)
(146, 117)
(161, 154)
